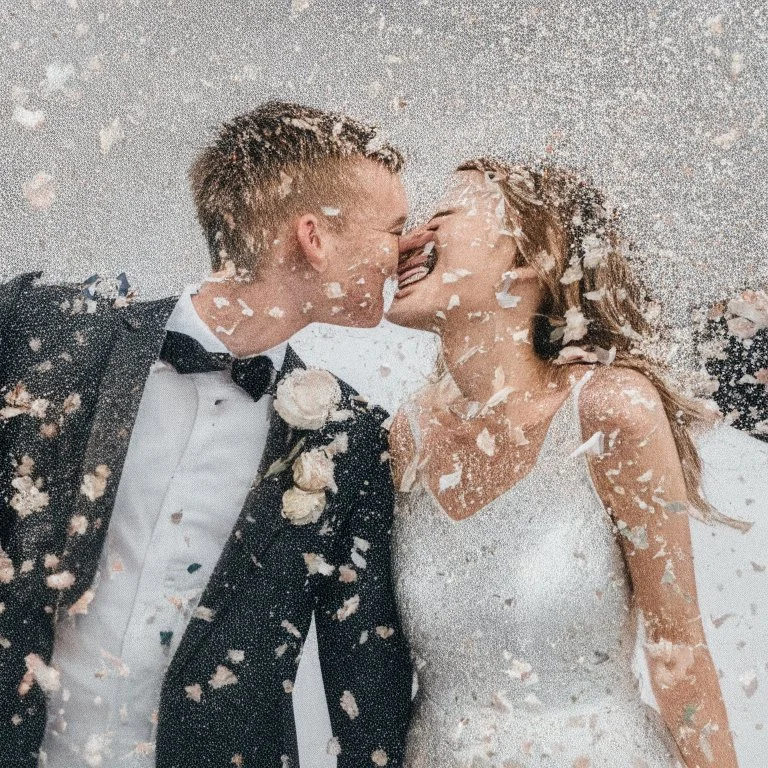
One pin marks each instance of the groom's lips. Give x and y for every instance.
(416, 265)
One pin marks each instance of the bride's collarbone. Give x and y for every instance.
(471, 464)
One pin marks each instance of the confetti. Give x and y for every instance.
(48, 678)
(316, 564)
(486, 442)
(334, 291)
(452, 479)
(95, 483)
(288, 627)
(748, 682)
(350, 606)
(595, 446)
(347, 575)
(194, 692)
(455, 275)
(222, 677)
(62, 580)
(29, 119)
(349, 705)
(203, 613)
(111, 135)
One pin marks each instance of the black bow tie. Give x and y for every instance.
(254, 374)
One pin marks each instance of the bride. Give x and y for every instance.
(545, 484)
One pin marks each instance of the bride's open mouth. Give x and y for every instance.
(415, 265)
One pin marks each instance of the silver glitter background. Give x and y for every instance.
(664, 103)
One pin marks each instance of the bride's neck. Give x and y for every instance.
(484, 356)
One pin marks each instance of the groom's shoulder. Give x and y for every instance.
(364, 422)
(27, 291)
(27, 298)
(362, 467)
(366, 413)
(29, 305)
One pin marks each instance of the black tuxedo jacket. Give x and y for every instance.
(261, 579)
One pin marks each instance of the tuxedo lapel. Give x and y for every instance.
(136, 346)
(259, 523)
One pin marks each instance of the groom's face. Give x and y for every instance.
(365, 250)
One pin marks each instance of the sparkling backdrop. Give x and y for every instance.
(106, 103)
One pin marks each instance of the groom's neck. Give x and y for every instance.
(250, 316)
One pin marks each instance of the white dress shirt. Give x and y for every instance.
(194, 451)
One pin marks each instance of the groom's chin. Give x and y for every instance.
(358, 319)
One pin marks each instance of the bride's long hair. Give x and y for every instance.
(565, 232)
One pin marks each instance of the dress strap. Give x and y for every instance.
(411, 474)
(576, 391)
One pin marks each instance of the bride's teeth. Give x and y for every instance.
(419, 274)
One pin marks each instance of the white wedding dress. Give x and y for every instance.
(521, 623)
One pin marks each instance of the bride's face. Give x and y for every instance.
(453, 264)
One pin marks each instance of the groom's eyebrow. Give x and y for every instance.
(398, 224)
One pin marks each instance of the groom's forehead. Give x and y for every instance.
(384, 190)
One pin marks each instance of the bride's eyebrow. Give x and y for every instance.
(446, 212)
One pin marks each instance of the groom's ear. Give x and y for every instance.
(313, 243)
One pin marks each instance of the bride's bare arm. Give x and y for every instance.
(401, 447)
(640, 480)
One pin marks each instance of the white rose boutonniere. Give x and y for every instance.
(313, 471)
(312, 476)
(309, 398)
(303, 507)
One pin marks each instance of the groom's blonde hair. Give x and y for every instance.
(279, 160)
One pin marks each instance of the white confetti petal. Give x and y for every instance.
(30, 119)
(349, 705)
(507, 301)
(62, 580)
(486, 442)
(111, 135)
(748, 682)
(595, 445)
(48, 678)
(452, 479)
(40, 191)
(223, 676)
(350, 606)
(316, 564)
(334, 291)
(194, 692)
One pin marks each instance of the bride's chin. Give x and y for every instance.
(404, 313)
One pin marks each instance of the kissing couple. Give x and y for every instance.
(181, 494)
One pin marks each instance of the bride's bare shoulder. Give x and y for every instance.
(620, 397)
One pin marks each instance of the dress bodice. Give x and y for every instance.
(521, 611)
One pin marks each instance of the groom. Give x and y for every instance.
(178, 493)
